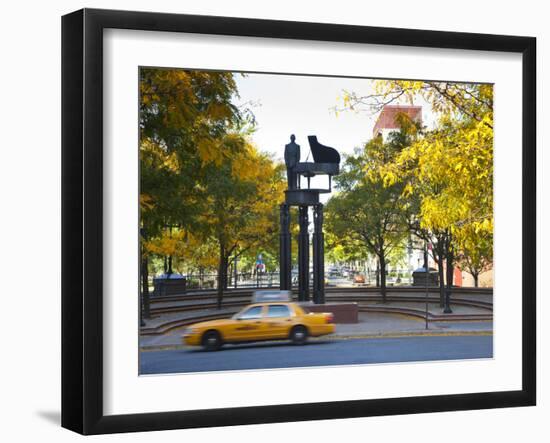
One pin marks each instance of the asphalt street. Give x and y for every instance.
(323, 352)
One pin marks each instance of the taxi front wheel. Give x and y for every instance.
(211, 341)
(298, 335)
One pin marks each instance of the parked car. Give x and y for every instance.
(259, 322)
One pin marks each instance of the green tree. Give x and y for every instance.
(366, 209)
(344, 249)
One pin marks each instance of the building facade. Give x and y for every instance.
(388, 121)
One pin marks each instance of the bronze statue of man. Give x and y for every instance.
(292, 157)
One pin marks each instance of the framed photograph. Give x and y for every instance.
(269, 221)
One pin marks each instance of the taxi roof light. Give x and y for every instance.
(267, 296)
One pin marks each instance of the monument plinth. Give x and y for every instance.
(343, 312)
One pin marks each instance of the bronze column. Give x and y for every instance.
(303, 255)
(318, 255)
(285, 270)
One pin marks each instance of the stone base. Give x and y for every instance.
(172, 286)
(419, 277)
(343, 312)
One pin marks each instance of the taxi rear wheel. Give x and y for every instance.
(211, 341)
(298, 335)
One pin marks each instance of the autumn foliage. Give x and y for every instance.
(444, 174)
(207, 193)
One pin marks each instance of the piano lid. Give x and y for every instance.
(322, 153)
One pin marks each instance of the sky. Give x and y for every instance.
(303, 105)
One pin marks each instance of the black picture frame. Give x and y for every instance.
(82, 218)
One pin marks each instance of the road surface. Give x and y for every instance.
(325, 352)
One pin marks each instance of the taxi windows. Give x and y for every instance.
(254, 312)
(278, 311)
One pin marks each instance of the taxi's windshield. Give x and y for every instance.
(249, 313)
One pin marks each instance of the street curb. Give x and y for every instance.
(428, 333)
(344, 337)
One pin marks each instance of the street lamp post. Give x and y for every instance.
(447, 309)
(168, 269)
(426, 268)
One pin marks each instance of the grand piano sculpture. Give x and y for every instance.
(326, 162)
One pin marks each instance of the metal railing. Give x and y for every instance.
(241, 280)
(199, 282)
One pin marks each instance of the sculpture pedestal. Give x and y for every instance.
(285, 263)
(174, 284)
(343, 312)
(420, 275)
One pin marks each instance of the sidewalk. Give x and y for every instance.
(370, 325)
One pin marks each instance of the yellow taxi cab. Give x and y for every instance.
(267, 319)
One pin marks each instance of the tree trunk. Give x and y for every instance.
(450, 275)
(145, 283)
(383, 277)
(201, 277)
(441, 284)
(225, 272)
(438, 255)
(229, 274)
(221, 266)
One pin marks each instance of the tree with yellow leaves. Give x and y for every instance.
(240, 210)
(184, 120)
(448, 171)
(465, 101)
(187, 123)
